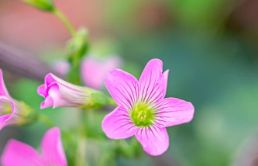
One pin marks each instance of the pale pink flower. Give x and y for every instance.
(59, 93)
(17, 153)
(61, 67)
(94, 70)
(143, 111)
(8, 106)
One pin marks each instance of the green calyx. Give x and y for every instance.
(142, 114)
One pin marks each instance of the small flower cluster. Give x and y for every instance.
(142, 111)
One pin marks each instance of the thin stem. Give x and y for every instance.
(81, 152)
(69, 26)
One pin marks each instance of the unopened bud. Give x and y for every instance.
(45, 5)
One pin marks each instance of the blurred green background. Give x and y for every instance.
(210, 47)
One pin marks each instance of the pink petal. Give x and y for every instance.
(117, 124)
(3, 90)
(52, 148)
(95, 70)
(154, 140)
(123, 88)
(42, 90)
(59, 93)
(5, 119)
(62, 67)
(165, 79)
(173, 111)
(49, 78)
(17, 153)
(152, 82)
(48, 102)
(55, 97)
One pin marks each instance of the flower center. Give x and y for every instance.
(142, 114)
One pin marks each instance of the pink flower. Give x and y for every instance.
(13, 112)
(94, 70)
(62, 67)
(17, 153)
(143, 111)
(8, 106)
(59, 93)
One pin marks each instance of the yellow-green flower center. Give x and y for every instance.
(142, 114)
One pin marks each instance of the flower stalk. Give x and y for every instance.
(69, 26)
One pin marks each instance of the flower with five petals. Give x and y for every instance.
(143, 111)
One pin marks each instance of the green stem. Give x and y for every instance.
(69, 26)
(81, 152)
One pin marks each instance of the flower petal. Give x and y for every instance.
(154, 140)
(95, 70)
(165, 79)
(123, 87)
(3, 90)
(20, 154)
(52, 148)
(152, 82)
(173, 111)
(118, 125)
(42, 90)
(3, 120)
(59, 93)
(62, 67)
(7, 111)
(48, 102)
(55, 97)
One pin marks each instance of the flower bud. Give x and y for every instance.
(45, 5)
(59, 93)
(94, 70)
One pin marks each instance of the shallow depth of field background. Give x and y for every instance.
(210, 47)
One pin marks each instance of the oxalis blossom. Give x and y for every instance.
(143, 111)
(62, 67)
(7, 104)
(12, 111)
(95, 70)
(59, 93)
(17, 153)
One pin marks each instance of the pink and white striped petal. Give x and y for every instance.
(59, 93)
(123, 87)
(154, 140)
(118, 125)
(174, 111)
(152, 82)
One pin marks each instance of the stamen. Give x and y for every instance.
(143, 114)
